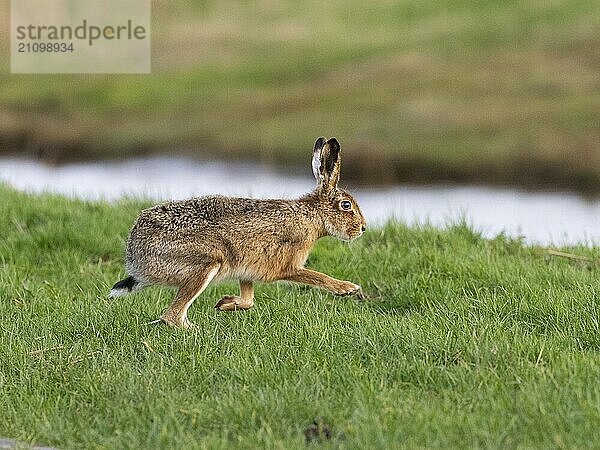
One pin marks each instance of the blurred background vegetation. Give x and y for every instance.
(441, 90)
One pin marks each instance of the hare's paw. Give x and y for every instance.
(347, 288)
(187, 324)
(182, 323)
(233, 303)
(227, 303)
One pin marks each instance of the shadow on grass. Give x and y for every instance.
(384, 304)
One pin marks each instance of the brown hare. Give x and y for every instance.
(190, 243)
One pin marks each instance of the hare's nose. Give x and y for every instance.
(363, 228)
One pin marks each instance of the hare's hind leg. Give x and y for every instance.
(176, 313)
(244, 301)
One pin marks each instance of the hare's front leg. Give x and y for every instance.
(244, 301)
(318, 279)
(176, 313)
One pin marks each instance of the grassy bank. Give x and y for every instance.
(494, 91)
(465, 342)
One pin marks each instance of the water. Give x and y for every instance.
(550, 218)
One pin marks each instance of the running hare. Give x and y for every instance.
(190, 243)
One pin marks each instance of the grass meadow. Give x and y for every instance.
(492, 91)
(464, 342)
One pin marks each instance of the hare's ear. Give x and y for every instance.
(316, 159)
(330, 164)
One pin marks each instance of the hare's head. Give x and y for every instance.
(342, 216)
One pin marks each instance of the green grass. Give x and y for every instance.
(465, 342)
(463, 90)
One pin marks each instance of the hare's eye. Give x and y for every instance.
(345, 205)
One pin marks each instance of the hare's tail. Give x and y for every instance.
(124, 287)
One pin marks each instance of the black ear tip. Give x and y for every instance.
(320, 143)
(333, 143)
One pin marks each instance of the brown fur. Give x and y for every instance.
(190, 243)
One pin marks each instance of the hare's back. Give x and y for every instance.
(216, 212)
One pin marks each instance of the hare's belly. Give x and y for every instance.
(268, 263)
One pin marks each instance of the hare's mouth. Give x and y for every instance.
(347, 235)
(354, 236)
